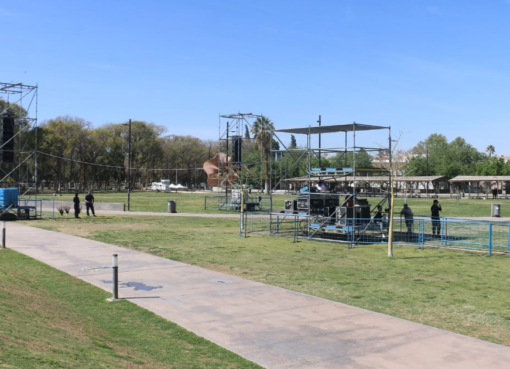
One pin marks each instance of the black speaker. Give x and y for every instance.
(291, 205)
(236, 152)
(7, 134)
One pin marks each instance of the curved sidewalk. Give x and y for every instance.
(273, 327)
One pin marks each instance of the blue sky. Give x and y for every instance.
(419, 66)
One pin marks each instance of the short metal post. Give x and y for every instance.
(3, 234)
(115, 267)
(295, 228)
(490, 240)
(508, 238)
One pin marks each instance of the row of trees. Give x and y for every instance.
(84, 157)
(437, 156)
(73, 153)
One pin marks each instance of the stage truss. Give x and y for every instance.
(20, 101)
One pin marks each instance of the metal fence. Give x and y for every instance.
(254, 223)
(467, 234)
(43, 208)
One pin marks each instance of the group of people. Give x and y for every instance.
(407, 213)
(89, 203)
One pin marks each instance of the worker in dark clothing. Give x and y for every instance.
(378, 216)
(89, 202)
(408, 217)
(436, 220)
(76, 202)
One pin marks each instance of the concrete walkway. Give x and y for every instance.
(273, 327)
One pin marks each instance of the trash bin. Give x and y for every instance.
(172, 206)
(495, 210)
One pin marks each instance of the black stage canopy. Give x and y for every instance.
(350, 127)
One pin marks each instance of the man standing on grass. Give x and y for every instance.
(436, 220)
(76, 202)
(408, 216)
(89, 203)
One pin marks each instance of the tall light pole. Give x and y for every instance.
(129, 163)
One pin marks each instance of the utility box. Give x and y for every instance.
(8, 197)
(172, 206)
(495, 210)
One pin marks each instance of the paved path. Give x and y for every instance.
(273, 327)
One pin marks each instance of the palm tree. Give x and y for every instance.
(490, 150)
(262, 130)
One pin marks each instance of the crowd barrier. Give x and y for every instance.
(468, 234)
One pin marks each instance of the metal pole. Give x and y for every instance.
(427, 171)
(228, 168)
(490, 240)
(392, 199)
(508, 238)
(3, 235)
(242, 208)
(319, 121)
(60, 172)
(36, 180)
(115, 267)
(129, 166)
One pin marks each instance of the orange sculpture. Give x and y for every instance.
(218, 171)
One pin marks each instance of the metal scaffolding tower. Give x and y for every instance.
(19, 141)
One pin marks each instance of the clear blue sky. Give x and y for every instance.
(419, 66)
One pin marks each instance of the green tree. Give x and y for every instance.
(262, 130)
(427, 157)
(69, 136)
(491, 166)
(461, 159)
(186, 153)
(361, 158)
(146, 152)
(490, 150)
(293, 142)
(435, 156)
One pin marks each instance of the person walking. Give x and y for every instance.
(379, 219)
(378, 214)
(76, 201)
(408, 217)
(436, 219)
(89, 203)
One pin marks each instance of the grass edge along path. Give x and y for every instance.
(466, 293)
(49, 319)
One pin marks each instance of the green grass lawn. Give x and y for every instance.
(194, 203)
(49, 319)
(457, 291)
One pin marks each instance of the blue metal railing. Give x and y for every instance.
(468, 234)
